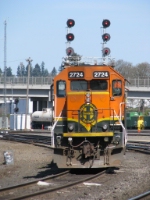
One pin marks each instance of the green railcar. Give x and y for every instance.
(132, 118)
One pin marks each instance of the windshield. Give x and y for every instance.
(79, 85)
(98, 85)
(82, 85)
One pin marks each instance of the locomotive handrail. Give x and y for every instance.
(124, 130)
(124, 138)
(52, 130)
(120, 109)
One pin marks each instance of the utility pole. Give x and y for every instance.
(29, 60)
(5, 71)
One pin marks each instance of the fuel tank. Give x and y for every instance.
(46, 115)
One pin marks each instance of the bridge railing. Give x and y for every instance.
(136, 82)
(24, 80)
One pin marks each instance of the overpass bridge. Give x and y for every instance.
(39, 90)
(138, 88)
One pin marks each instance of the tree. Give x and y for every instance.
(9, 71)
(54, 72)
(42, 68)
(1, 72)
(36, 70)
(21, 70)
(61, 67)
(125, 68)
(18, 70)
(142, 70)
(44, 72)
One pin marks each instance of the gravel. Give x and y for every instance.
(33, 162)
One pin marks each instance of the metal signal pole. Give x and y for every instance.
(5, 71)
(29, 60)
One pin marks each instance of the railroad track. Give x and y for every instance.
(34, 188)
(143, 147)
(140, 146)
(38, 140)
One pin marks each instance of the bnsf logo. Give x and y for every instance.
(87, 113)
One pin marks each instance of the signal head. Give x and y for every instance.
(70, 23)
(106, 23)
(70, 37)
(16, 101)
(106, 51)
(16, 110)
(106, 37)
(69, 51)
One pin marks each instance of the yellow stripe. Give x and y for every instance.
(76, 120)
(77, 93)
(98, 120)
(100, 92)
(101, 134)
(60, 119)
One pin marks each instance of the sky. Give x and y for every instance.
(37, 29)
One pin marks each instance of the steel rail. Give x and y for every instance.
(35, 140)
(140, 147)
(140, 196)
(30, 183)
(49, 190)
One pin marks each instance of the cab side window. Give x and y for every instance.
(61, 88)
(117, 87)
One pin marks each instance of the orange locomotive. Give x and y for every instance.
(89, 110)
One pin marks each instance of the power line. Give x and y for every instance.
(14, 60)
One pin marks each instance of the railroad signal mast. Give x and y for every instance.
(69, 37)
(105, 38)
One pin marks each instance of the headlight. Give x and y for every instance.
(70, 140)
(106, 139)
(70, 127)
(105, 126)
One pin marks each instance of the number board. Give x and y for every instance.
(76, 74)
(101, 74)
